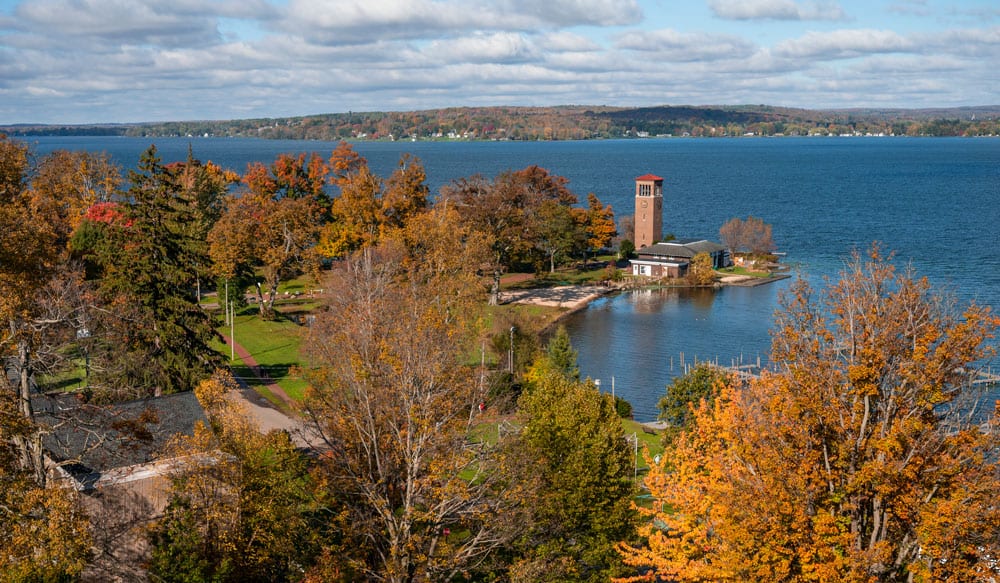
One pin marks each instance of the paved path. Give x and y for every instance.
(255, 368)
(264, 412)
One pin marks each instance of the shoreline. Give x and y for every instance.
(574, 298)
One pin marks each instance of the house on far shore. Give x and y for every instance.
(671, 259)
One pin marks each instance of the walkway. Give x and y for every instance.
(268, 417)
(261, 375)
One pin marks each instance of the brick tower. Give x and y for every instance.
(648, 210)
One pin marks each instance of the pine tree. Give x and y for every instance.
(150, 274)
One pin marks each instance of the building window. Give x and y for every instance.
(644, 190)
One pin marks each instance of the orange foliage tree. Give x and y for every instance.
(862, 457)
(273, 223)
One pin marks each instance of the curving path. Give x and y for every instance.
(261, 375)
(267, 416)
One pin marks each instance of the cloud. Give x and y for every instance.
(358, 21)
(672, 45)
(564, 13)
(910, 7)
(776, 10)
(567, 42)
(115, 21)
(500, 47)
(840, 44)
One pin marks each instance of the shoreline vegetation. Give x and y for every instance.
(561, 123)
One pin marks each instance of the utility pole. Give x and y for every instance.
(231, 312)
(511, 352)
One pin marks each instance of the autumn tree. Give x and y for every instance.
(576, 468)
(66, 184)
(272, 224)
(600, 222)
(441, 251)
(357, 213)
(367, 206)
(700, 270)
(394, 407)
(406, 193)
(43, 529)
(242, 504)
(302, 176)
(750, 236)
(507, 211)
(555, 231)
(42, 526)
(850, 460)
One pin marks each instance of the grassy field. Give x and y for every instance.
(273, 344)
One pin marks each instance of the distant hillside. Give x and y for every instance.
(567, 123)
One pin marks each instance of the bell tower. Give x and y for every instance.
(648, 210)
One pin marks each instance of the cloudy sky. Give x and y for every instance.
(88, 61)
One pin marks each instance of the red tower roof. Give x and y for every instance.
(650, 177)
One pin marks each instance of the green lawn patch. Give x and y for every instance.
(743, 271)
(652, 441)
(274, 344)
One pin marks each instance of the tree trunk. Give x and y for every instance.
(29, 444)
(495, 288)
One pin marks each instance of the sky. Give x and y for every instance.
(99, 61)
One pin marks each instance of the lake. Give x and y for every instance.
(934, 201)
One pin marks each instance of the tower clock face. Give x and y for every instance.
(644, 204)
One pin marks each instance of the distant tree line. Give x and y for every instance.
(566, 123)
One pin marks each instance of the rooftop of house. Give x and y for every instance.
(89, 440)
(680, 248)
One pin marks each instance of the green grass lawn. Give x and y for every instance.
(562, 276)
(274, 345)
(652, 441)
(743, 271)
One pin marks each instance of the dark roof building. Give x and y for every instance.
(97, 444)
(671, 259)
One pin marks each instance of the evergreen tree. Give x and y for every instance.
(151, 264)
(561, 354)
(575, 467)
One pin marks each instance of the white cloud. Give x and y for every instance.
(120, 21)
(501, 47)
(776, 10)
(679, 46)
(354, 21)
(841, 44)
(567, 42)
(577, 12)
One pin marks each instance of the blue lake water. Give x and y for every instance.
(934, 201)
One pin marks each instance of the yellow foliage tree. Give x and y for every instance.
(240, 502)
(863, 457)
(395, 408)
